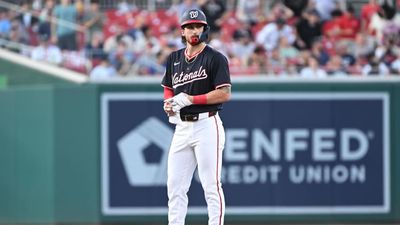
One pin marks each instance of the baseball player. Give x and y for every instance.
(196, 83)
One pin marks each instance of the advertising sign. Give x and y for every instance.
(285, 153)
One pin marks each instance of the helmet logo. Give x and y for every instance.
(193, 14)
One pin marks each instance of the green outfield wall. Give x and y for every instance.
(3, 81)
(50, 151)
(17, 75)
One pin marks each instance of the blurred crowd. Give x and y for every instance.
(303, 38)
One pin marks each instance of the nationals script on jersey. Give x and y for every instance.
(205, 72)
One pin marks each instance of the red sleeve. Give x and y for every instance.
(168, 93)
(326, 27)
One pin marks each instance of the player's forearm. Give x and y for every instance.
(216, 96)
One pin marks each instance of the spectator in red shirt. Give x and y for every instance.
(332, 31)
(349, 23)
(332, 28)
(367, 11)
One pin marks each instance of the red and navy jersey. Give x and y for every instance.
(205, 72)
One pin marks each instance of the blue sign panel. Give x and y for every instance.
(285, 153)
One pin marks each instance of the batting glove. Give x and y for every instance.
(180, 101)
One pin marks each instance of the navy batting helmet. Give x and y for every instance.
(193, 16)
(196, 16)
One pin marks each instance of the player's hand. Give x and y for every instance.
(168, 108)
(180, 101)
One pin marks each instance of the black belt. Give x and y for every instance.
(196, 116)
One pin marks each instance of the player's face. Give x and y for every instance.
(192, 31)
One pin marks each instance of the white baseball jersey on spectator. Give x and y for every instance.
(51, 54)
(378, 25)
(269, 36)
(396, 64)
(381, 70)
(308, 72)
(103, 71)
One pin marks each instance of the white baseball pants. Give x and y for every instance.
(198, 144)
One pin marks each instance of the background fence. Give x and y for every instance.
(60, 161)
